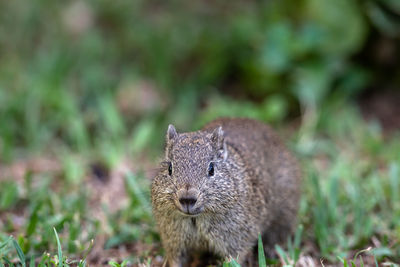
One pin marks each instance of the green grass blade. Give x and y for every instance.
(261, 255)
(5, 243)
(361, 262)
(60, 257)
(134, 187)
(359, 252)
(33, 220)
(298, 234)
(234, 263)
(113, 264)
(9, 263)
(376, 262)
(231, 263)
(394, 181)
(44, 260)
(32, 262)
(88, 250)
(21, 254)
(282, 254)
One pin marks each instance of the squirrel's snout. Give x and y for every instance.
(187, 200)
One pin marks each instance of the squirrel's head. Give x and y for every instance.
(194, 177)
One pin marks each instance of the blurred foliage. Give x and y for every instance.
(98, 81)
(86, 73)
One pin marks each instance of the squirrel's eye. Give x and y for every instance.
(211, 169)
(170, 168)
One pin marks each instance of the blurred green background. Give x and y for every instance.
(81, 73)
(101, 80)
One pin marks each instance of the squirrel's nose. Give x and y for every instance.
(188, 203)
(188, 199)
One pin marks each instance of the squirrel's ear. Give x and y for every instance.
(171, 135)
(171, 132)
(218, 139)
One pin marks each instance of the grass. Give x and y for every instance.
(84, 108)
(261, 255)
(349, 210)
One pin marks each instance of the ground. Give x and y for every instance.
(102, 213)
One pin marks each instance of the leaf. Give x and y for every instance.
(281, 253)
(5, 243)
(8, 195)
(21, 254)
(261, 255)
(361, 262)
(142, 135)
(234, 263)
(9, 263)
(382, 251)
(34, 218)
(231, 263)
(394, 176)
(60, 257)
(113, 264)
(134, 189)
(277, 53)
(342, 24)
(87, 252)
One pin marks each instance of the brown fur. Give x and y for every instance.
(255, 189)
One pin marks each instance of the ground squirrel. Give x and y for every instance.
(219, 187)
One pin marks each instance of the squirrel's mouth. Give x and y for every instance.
(189, 211)
(192, 214)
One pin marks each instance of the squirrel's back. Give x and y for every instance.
(259, 146)
(272, 170)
